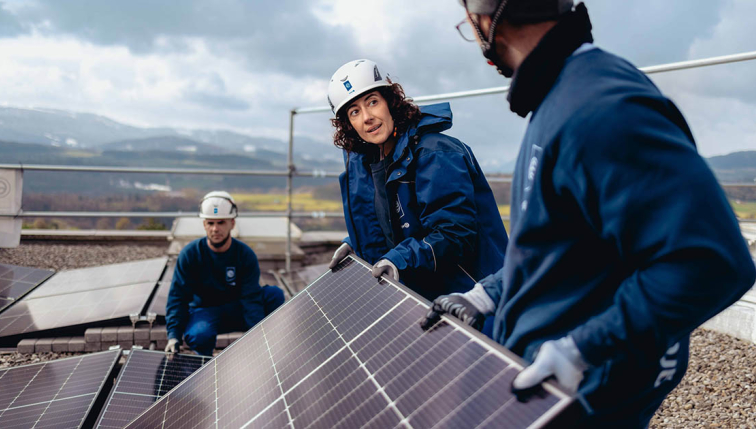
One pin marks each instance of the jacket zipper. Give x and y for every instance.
(349, 207)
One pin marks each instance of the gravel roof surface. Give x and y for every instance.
(718, 391)
(79, 255)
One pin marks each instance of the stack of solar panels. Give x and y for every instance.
(348, 352)
(83, 297)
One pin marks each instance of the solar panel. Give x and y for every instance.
(54, 394)
(348, 352)
(72, 310)
(145, 377)
(77, 298)
(16, 281)
(157, 305)
(102, 277)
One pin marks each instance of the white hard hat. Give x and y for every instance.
(352, 80)
(217, 205)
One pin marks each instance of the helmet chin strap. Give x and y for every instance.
(488, 44)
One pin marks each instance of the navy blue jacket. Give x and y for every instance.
(621, 236)
(449, 233)
(204, 278)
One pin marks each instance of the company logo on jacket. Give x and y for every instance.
(231, 276)
(535, 157)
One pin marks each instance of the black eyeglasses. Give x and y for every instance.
(466, 30)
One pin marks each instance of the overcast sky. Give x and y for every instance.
(242, 65)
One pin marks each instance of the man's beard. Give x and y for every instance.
(493, 59)
(221, 243)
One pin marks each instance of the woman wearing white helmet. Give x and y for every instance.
(416, 202)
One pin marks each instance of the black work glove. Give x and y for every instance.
(457, 306)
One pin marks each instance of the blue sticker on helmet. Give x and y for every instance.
(347, 85)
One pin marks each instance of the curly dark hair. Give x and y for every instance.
(404, 112)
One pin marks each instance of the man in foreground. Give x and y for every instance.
(216, 284)
(621, 241)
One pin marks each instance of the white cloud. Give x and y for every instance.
(719, 102)
(148, 90)
(235, 65)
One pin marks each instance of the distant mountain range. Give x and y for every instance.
(99, 135)
(62, 128)
(735, 167)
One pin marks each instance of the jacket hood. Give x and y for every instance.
(435, 118)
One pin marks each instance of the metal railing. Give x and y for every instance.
(291, 172)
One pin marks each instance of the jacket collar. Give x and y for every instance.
(537, 74)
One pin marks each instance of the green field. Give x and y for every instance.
(744, 210)
(277, 202)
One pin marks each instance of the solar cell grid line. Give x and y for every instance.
(358, 367)
(102, 277)
(17, 281)
(283, 397)
(387, 303)
(144, 378)
(510, 359)
(361, 381)
(229, 352)
(234, 377)
(57, 393)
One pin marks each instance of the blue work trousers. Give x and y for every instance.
(205, 323)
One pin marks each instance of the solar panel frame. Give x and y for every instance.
(160, 299)
(127, 390)
(70, 312)
(102, 277)
(72, 401)
(381, 409)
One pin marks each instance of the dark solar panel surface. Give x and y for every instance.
(55, 394)
(348, 352)
(102, 277)
(157, 305)
(83, 296)
(16, 282)
(52, 312)
(146, 376)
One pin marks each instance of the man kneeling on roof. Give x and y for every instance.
(216, 284)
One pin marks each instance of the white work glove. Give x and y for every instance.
(384, 267)
(172, 346)
(340, 254)
(560, 358)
